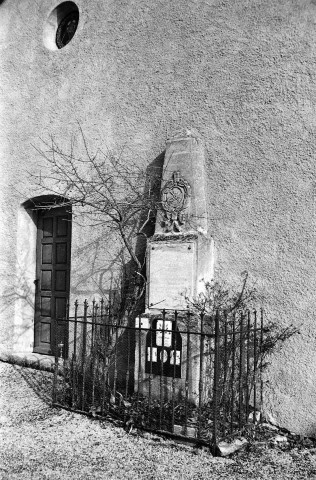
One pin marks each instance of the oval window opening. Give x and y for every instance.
(66, 29)
(61, 26)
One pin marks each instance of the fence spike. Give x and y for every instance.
(215, 383)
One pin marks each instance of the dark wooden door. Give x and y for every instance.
(52, 277)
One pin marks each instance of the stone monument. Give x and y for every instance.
(180, 259)
(180, 254)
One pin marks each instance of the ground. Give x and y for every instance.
(41, 442)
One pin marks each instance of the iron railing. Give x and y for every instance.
(194, 376)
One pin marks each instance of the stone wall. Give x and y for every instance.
(242, 73)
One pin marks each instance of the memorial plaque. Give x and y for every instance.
(171, 273)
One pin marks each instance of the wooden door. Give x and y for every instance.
(52, 277)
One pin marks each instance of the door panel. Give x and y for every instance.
(47, 226)
(46, 280)
(45, 307)
(60, 280)
(62, 226)
(53, 276)
(47, 254)
(61, 253)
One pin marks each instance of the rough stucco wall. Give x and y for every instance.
(242, 73)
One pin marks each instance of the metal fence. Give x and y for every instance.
(195, 376)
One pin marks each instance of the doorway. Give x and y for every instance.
(52, 277)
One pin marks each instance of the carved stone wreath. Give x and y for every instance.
(175, 197)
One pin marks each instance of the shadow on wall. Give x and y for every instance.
(146, 227)
(20, 283)
(17, 306)
(101, 265)
(19, 295)
(18, 288)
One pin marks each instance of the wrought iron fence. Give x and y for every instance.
(195, 376)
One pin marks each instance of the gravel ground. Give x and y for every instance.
(39, 442)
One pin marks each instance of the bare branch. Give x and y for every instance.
(106, 190)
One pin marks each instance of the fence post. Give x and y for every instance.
(127, 375)
(225, 366)
(54, 394)
(233, 373)
(84, 344)
(254, 366)
(104, 321)
(187, 373)
(84, 330)
(116, 325)
(94, 356)
(248, 365)
(75, 330)
(201, 376)
(74, 357)
(174, 369)
(261, 366)
(241, 368)
(161, 396)
(150, 379)
(215, 384)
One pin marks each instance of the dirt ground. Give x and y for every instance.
(40, 442)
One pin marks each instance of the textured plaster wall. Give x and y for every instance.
(243, 74)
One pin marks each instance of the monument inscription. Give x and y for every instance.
(171, 274)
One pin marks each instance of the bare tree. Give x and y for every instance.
(119, 196)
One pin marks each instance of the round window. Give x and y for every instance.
(61, 25)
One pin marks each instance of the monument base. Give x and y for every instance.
(168, 360)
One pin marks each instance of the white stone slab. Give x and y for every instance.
(172, 272)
